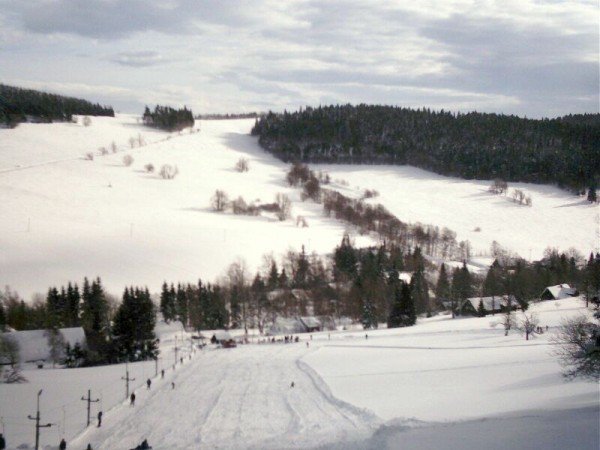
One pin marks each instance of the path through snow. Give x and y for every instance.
(237, 398)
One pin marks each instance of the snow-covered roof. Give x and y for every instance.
(222, 335)
(492, 303)
(310, 322)
(405, 276)
(284, 325)
(561, 291)
(33, 344)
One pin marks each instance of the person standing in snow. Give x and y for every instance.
(292, 385)
(162, 373)
(172, 385)
(132, 399)
(2, 442)
(148, 383)
(62, 445)
(89, 447)
(99, 419)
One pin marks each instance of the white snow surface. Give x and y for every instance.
(65, 217)
(443, 383)
(556, 219)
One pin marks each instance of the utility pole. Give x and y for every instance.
(37, 422)
(89, 401)
(176, 350)
(127, 380)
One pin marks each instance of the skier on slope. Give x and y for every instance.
(99, 419)
(62, 445)
(148, 383)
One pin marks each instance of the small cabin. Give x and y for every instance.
(559, 292)
(491, 305)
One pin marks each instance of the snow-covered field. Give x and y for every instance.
(65, 217)
(555, 219)
(65, 220)
(458, 384)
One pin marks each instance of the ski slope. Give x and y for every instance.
(443, 383)
(237, 398)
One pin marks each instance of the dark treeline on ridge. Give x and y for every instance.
(167, 118)
(563, 151)
(229, 116)
(16, 104)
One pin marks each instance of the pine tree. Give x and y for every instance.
(273, 281)
(369, 315)
(73, 305)
(481, 312)
(133, 327)
(182, 305)
(592, 196)
(344, 260)
(420, 291)
(395, 314)
(302, 270)
(95, 320)
(442, 288)
(408, 315)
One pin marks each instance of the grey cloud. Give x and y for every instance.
(139, 59)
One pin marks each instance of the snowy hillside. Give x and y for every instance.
(63, 221)
(458, 384)
(555, 219)
(65, 217)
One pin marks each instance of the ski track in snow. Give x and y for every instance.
(236, 398)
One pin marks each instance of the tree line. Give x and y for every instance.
(18, 103)
(382, 284)
(563, 151)
(167, 118)
(114, 331)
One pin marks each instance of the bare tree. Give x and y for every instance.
(132, 141)
(168, 172)
(508, 320)
(9, 353)
(285, 206)
(242, 165)
(140, 140)
(149, 167)
(113, 147)
(219, 201)
(87, 121)
(528, 324)
(56, 343)
(128, 160)
(499, 186)
(578, 348)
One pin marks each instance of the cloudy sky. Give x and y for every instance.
(527, 57)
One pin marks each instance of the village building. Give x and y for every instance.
(492, 305)
(559, 292)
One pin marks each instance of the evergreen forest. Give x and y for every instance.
(19, 105)
(563, 151)
(167, 118)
